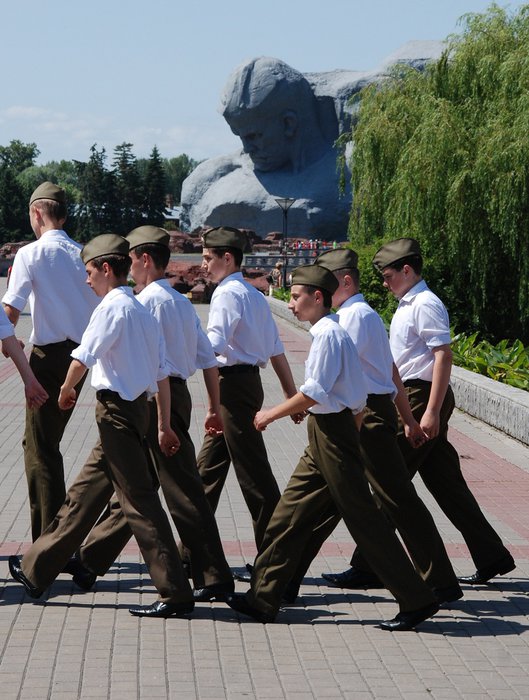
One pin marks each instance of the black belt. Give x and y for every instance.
(416, 382)
(102, 394)
(61, 344)
(177, 380)
(238, 369)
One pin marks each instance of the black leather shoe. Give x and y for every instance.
(408, 620)
(160, 609)
(238, 602)
(217, 591)
(17, 573)
(448, 594)
(81, 576)
(487, 572)
(244, 576)
(354, 578)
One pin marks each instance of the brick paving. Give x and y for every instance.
(85, 645)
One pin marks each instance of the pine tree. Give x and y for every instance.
(128, 189)
(97, 211)
(154, 189)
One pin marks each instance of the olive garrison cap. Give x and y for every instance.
(47, 190)
(394, 251)
(224, 237)
(315, 276)
(145, 235)
(338, 259)
(105, 244)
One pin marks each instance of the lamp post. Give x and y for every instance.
(285, 203)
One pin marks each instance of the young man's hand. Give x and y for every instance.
(67, 398)
(261, 420)
(36, 395)
(168, 441)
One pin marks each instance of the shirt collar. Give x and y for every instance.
(119, 290)
(412, 293)
(352, 300)
(162, 282)
(54, 232)
(322, 323)
(230, 278)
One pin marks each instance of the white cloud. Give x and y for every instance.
(60, 135)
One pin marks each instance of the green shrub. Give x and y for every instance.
(502, 362)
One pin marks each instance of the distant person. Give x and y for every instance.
(277, 274)
(329, 478)
(50, 275)
(420, 345)
(124, 347)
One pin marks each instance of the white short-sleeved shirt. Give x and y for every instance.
(240, 325)
(124, 346)
(333, 373)
(187, 347)
(419, 325)
(6, 327)
(50, 274)
(369, 335)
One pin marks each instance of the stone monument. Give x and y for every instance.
(288, 123)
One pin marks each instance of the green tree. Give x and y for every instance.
(128, 189)
(14, 196)
(176, 171)
(18, 155)
(443, 156)
(97, 209)
(154, 189)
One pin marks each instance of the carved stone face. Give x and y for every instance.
(266, 140)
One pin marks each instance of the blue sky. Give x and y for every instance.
(151, 71)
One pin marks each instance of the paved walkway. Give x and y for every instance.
(73, 645)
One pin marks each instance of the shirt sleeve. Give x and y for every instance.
(163, 369)
(432, 324)
(20, 284)
(321, 368)
(279, 348)
(6, 327)
(205, 354)
(224, 316)
(99, 336)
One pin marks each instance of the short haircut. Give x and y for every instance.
(414, 261)
(237, 253)
(119, 264)
(160, 254)
(326, 295)
(353, 272)
(56, 211)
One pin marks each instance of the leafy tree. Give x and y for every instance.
(443, 156)
(18, 156)
(14, 159)
(176, 171)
